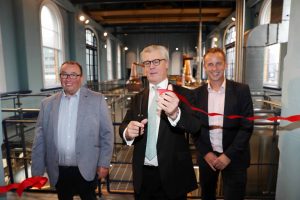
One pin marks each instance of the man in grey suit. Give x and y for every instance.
(74, 137)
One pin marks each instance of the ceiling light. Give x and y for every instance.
(105, 34)
(125, 48)
(176, 48)
(82, 18)
(87, 21)
(233, 19)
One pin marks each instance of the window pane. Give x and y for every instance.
(119, 62)
(230, 35)
(230, 56)
(109, 62)
(51, 70)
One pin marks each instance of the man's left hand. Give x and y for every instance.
(102, 172)
(221, 162)
(168, 102)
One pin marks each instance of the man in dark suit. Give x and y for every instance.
(73, 137)
(223, 143)
(162, 163)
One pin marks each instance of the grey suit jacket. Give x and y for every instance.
(94, 136)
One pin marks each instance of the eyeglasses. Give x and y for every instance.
(155, 62)
(72, 76)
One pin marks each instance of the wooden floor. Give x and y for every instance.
(51, 196)
(261, 174)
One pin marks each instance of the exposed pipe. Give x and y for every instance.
(240, 21)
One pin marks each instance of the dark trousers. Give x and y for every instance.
(152, 187)
(234, 182)
(70, 183)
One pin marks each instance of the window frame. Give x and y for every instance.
(95, 54)
(230, 46)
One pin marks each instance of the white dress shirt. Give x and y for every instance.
(216, 100)
(67, 121)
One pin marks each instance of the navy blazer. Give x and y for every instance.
(174, 157)
(236, 132)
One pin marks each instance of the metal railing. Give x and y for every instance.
(21, 120)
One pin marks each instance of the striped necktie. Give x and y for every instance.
(152, 126)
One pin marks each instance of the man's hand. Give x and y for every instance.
(133, 129)
(102, 172)
(168, 102)
(210, 158)
(221, 162)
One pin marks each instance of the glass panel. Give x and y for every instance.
(91, 56)
(119, 62)
(230, 57)
(230, 35)
(109, 62)
(51, 69)
(272, 66)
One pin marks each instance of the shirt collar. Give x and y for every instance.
(163, 84)
(75, 95)
(222, 88)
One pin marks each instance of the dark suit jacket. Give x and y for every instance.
(174, 158)
(236, 132)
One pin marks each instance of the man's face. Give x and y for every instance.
(215, 66)
(155, 74)
(69, 84)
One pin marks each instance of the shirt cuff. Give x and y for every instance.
(174, 122)
(128, 142)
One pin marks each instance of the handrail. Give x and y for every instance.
(21, 121)
(4, 94)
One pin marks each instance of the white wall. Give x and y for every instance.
(288, 180)
(2, 70)
(3, 196)
(175, 67)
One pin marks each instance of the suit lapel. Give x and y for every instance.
(228, 95)
(83, 104)
(144, 103)
(55, 115)
(204, 100)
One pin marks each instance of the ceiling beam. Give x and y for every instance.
(161, 15)
(160, 11)
(139, 1)
(159, 20)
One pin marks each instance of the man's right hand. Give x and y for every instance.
(210, 158)
(133, 129)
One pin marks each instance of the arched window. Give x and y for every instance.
(52, 48)
(265, 12)
(229, 45)
(119, 62)
(91, 56)
(109, 61)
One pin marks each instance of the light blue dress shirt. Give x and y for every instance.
(67, 122)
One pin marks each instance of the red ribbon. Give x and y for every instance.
(36, 181)
(292, 118)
